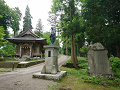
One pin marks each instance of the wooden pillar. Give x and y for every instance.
(20, 51)
(30, 51)
(41, 54)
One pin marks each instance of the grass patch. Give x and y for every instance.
(79, 80)
(5, 70)
(76, 73)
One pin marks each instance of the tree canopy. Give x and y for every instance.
(27, 19)
(5, 17)
(9, 17)
(102, 19)
(39, 28)
(88, 21)
(15, 18)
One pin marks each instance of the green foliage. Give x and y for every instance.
(28, 59)
(54, 87)
(102, 23)
(1, 16)
(9, 18)
(102, 81)
(84, 49)
(70, 20)
(15, 18)
(82, 73)
(27, 19)
(83, 64)
(8, 49)
(70, 23)
(66, 44)
(5, 69)
(46, 35)
(76, 73)
(115, 65)
(5, 17)
(2, 40)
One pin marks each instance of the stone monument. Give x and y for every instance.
(51, 68)
(98, 63)
(51, 59)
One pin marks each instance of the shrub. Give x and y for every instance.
(27, 59)
(115, 61)
(84, 50)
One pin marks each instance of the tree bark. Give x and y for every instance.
(110, 50)
(72, 53)
(14, 33)
(79, 46)
(118, 53)
(75, 55)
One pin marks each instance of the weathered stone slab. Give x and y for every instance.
(98, 63)
(57, 76)
(23, 64)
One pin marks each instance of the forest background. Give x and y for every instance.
(76, 22)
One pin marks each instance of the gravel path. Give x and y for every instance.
(22, 79)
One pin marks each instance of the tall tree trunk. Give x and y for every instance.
(14, 33)
(72, 42)
(118, 53)
(72, 52)
(66, 49)
(110, 50)
(79, 46)
(75, 55)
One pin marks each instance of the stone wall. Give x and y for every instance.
(8, 65)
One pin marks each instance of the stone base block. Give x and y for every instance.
(57, 76)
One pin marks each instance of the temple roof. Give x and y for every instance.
(27, 36)
(28, 31)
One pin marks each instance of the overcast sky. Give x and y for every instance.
(38, 9)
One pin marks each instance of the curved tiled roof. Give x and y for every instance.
(27, 31)
(27, 36)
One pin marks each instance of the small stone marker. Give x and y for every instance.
(98, 63)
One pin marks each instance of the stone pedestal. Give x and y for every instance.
(51, 68)
(98, 63)
(51, 59)
(57, 76)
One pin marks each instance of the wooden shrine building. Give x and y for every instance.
(28, 44)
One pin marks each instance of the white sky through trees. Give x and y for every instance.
(38, 9)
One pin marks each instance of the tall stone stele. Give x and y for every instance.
(98, 63)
